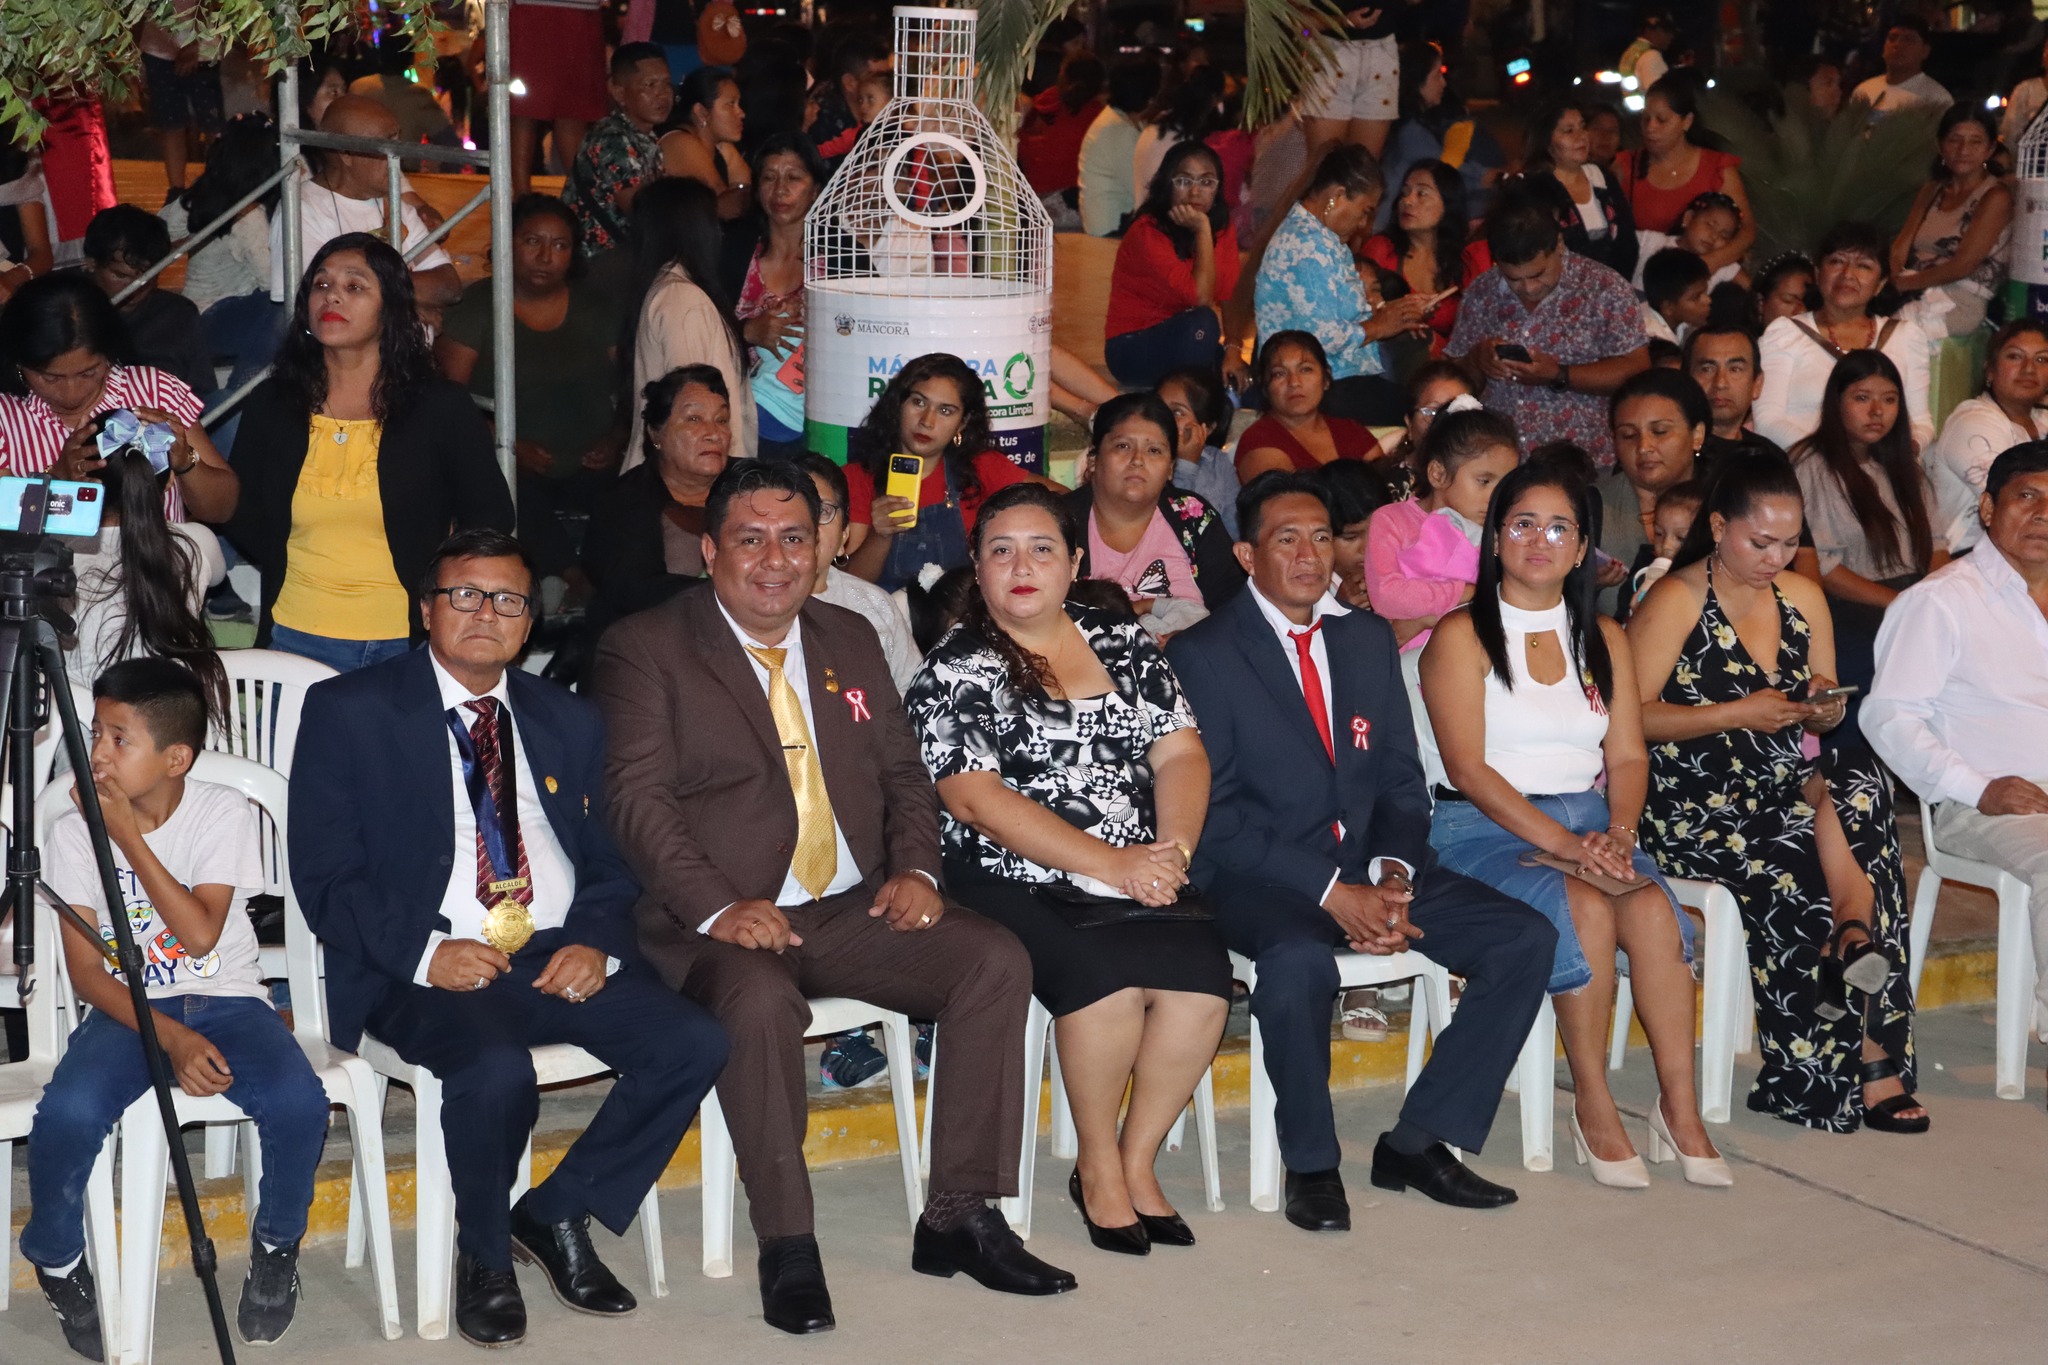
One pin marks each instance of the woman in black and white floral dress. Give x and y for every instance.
(1728, 645)
(1068, 763)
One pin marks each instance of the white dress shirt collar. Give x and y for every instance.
(1327, 605)
(454, 694)
(792, 640)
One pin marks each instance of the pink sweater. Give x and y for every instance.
(1416, 564)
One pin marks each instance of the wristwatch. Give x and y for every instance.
(1563, 380)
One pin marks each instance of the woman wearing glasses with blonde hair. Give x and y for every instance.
(1531, 695)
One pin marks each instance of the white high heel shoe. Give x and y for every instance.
(1621, 1175)
(1698, 1170)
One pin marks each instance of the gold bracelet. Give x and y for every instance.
(1629, 830)
(1187, 855)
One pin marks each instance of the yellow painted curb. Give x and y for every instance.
(844, 1129)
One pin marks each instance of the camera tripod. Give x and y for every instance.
(33, 662)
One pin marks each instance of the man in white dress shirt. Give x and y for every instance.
(474, 908)
(1905, 83)
(1960, 705)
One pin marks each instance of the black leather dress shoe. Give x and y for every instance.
(793, 1294)
(563, 1250)
(1166, 1230)
(1316, 1202)
(986, 1249)
(1435, 1172)
(1130, 1238)
(488, 1309)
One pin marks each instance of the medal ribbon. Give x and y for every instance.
(494, 797)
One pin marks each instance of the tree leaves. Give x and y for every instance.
(1286, 46)
(55, 48)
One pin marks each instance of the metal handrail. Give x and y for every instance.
(185, 245)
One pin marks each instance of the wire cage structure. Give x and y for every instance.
(2027, 262)
(928, 238)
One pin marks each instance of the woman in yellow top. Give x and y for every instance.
(357, 459)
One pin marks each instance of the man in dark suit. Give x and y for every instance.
(769, 793)
(449, 846)
(1318, 839)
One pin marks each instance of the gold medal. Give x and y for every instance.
(507, 926)
(831, 681)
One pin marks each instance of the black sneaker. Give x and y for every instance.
(851, 1061)
(270, 1294)
(925, 1029)
(78, 1308)
(223, 603)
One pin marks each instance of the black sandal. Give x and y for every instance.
(1883, 1116)
(1861, 965)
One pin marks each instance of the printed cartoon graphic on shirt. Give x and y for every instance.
(164, 960)
(1153, 582)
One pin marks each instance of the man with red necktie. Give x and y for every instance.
(1318, 842)
(449, 846)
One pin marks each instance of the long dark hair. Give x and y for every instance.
(241, 158)
(1741, 485)
(1418, 60)
(1893, 453)
(158, 568)
(1682, 94)
(1536, 158)
(1144, 405)
(47, 317)
(1158, 205)
(1588, 647)
(1028, 673)
(405, 363)
(1451, 233)
(881, 431)
(1958, 115)
(675, 222)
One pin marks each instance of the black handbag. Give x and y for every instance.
(1086, 910)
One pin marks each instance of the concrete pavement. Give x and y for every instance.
(1866, 1248)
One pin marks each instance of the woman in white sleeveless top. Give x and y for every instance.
(1532, 695)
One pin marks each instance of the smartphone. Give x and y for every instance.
(906, 479)
(50, 507)
(1512, 350)
(1830, 693)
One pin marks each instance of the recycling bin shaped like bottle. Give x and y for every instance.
(928, 238)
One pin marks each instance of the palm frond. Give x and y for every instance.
(1286, 45)
(1006, 39)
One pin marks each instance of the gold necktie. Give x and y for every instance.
(817, 852)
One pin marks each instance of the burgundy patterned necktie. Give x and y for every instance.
(483, 733)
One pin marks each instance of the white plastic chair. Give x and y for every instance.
(145, 1160)
(829, 1015)
(2016, 970)
(266, 697)
(1728, 1007)
(434, 1192)
(21, 1089)
(1041, 1048)
(49, 747)
(1431, 1011)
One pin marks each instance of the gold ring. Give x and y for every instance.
(923, 920)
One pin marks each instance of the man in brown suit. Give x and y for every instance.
(766, 788)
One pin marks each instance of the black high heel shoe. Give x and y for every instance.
(1883, 1116)
(1863, 966)
(1130, 1239)
(1166, 1230)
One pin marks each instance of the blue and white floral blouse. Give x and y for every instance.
(1308, 282)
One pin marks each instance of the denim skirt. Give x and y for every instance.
(1467, 841)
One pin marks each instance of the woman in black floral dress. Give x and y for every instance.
(1068, 764)
(1725, 644)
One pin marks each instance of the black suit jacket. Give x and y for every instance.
(1273, 791)
(435, 474)
(372, 826)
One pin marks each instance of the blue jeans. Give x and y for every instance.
(246, 328)
(343, 656)
(103, 1072)
(1470, 843)
(1192, 338)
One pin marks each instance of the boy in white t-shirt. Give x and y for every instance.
(186, 857)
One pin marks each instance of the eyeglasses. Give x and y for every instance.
(1192, 182)
(1432, 413)
(829, 511)
(507, 604)
(1556, 534)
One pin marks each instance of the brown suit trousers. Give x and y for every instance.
(701, 802)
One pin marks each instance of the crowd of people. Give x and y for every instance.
(1570, 550)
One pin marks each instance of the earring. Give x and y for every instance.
(959, 438)
(1329, 204)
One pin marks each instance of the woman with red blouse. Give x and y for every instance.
(1296, 433)
(1176, 265)
(1672, 170)
(1427, 245)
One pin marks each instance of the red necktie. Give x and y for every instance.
(1312, 685)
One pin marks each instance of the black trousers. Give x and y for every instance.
(1500, 946)
(667, 1052)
